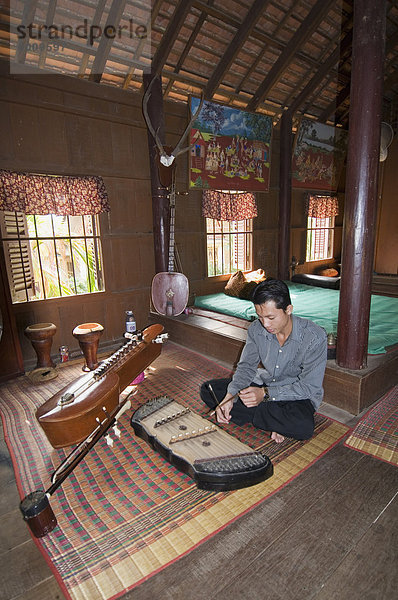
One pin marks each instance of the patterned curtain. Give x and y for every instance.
(56, 195)
(321, 207)
(228, 206)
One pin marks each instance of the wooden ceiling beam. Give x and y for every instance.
(306, 29)
(105, 44)
(96, 21)
(202, 18)
(235, 46)
(192, 38)
(322, 72)
(138, 53)
(49, 21)
(229, 19)
(29, 11)
(256, 33)
(335, 105)
(170, 36)
(261, 54)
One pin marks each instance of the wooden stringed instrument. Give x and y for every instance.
(170, 290)
(214, 459)
(83, 412)
(73, 413)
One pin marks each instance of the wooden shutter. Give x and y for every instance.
(18, 258)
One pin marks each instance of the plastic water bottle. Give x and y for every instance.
(131, 326)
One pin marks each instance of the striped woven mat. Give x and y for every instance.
(377, 432)
(125, 512)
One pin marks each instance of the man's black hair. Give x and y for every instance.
(272, 290)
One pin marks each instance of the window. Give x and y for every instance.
(320, 232)
(229, 246)
(51, 256)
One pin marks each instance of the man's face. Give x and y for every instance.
(275, 320)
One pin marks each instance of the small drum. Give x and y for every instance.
(41, 335)
(38, 514)
(88, 335)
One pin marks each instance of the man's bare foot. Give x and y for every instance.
(277, 437)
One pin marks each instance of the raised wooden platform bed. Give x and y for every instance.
(352, 391)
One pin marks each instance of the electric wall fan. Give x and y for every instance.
(386, 137)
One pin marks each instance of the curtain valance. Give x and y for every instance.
(228, 206)
(57, 195)
(322, 207)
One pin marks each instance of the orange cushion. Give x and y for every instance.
(328, 272)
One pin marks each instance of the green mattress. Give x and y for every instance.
(321, 306)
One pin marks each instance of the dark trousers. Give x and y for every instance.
(293, 419)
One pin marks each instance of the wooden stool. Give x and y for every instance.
(88, 335)
(41, 335)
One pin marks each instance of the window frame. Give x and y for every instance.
(228, 264)
(16, 234)
(319, 224)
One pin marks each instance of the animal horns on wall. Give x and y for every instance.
(165, 155)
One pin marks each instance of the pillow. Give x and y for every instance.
(256, 276)
(246, 291)
(235, 284)
(328, 273)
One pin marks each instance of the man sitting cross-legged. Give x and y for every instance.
(277, 385)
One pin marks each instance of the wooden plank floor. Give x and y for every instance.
(330, 533)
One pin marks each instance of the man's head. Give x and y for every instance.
(272, 290)
(273, 306)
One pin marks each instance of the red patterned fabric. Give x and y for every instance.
(321, 207)
(56, 195)
(225, 206)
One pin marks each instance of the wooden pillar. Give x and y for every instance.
(285, 194)
(360, 206)
(160, 199)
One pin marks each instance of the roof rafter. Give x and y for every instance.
(170, 36)
(335, 105)
(28, 14)
(192, 38)
(49, 21)
(322, 72)
(104, 47)
(256, 33)
(234, 47)
(96, 21)
(308, 26)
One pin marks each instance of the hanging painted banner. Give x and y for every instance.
(318, 156)
(230, 148)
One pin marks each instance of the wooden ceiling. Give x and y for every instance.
(259, 55)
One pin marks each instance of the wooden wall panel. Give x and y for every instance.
(53, 149)
(121, 142)
(131, 262)
(140, 164)
(7, 147)
(25, 132)
(131, 206)
(387, 231)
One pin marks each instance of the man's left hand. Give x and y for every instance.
(252, 396)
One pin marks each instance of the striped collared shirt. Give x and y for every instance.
(293, 371)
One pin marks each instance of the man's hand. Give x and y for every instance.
(223, 412)
(252, 396)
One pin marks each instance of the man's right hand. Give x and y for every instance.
(223, 412)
